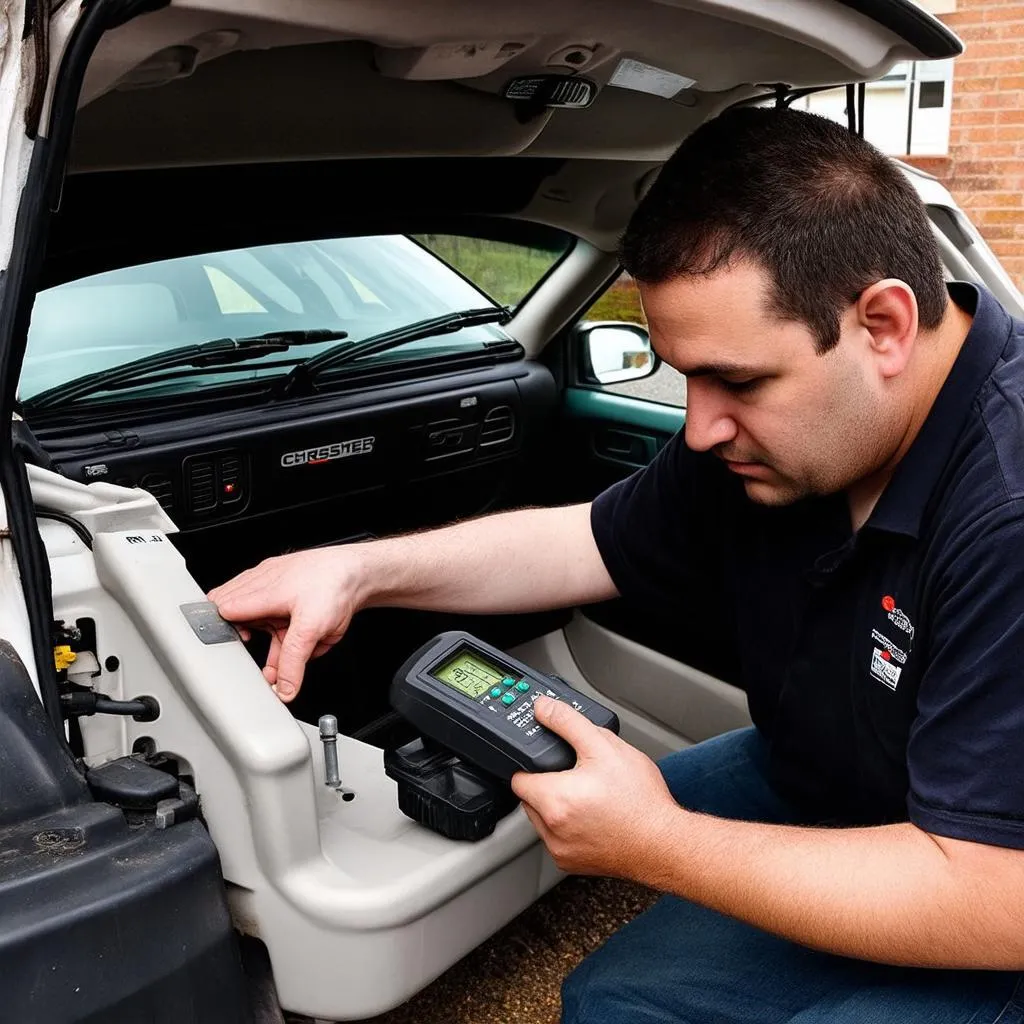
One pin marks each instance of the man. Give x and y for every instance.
(845, 518)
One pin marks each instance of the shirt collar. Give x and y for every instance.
(902, 504)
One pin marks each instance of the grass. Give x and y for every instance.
(503, 270)
(620, 302)
(507, 272)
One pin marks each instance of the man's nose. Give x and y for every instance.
(708, 422)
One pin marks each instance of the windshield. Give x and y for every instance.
(362, 286)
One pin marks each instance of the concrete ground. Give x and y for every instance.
(543, 944)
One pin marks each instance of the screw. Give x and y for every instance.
(329, 738)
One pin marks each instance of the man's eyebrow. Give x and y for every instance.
(724, 370)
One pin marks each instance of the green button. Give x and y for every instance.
(523, 687)
(496, 692)
(508, 682)
(509, 698)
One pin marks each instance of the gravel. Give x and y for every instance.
(547, 941)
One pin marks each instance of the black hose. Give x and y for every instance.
(62, 517)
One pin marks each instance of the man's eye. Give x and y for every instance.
(741, 387)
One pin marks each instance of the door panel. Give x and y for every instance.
(662, 704)
(606, 437)
(688, 702)
(629, 656)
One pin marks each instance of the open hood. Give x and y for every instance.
(215, 81)
(229, 90)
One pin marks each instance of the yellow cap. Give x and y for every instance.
(63, 656)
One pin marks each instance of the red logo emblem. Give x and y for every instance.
(886, 656)
(888, 603)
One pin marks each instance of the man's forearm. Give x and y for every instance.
(893, 894)
(526, 560)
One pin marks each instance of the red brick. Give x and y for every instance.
(984, 169)
(1004, 151)
(1010, 30)
(979, 31)
(996, 49)
(967, 85)
(973, 184)
(1008, 100)
(974, 117)
(995, 232)
(997, 200)
(983, 134)
(968, 66)
(1001, 216)
(1000, 12)
(937, 165)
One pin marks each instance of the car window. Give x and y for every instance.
(363, 286)
(506, 271)
(621, 303)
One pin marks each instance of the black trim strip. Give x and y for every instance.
(909, 22)
(17, 294)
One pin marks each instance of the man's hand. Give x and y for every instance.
(603, 816)
(304, 600)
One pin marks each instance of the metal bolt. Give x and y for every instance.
(329, 738)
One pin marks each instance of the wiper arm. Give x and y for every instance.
(340, 355)
(207, 353)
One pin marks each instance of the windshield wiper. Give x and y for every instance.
(208, 353)
(340, 355)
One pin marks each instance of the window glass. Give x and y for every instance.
(621, 303)
(363, 286)
(504, 270)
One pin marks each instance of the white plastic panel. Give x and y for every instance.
(662, 704)
(358, 906)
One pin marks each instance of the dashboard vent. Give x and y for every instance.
(201, 485)
(161, 488)
(218, 482)
(498, 427)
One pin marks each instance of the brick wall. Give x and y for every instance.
(985, 166)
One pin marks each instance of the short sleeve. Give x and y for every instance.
(660, 531)
(965, 754)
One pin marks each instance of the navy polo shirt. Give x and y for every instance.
(885, 667)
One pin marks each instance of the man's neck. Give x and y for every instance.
(938, 351)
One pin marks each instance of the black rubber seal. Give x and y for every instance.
(909, 22)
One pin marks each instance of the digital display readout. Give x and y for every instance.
(470, 674)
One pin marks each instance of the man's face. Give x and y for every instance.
(788, 421)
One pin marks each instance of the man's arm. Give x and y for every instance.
(521, 561)
(528, 560)
(893, 893)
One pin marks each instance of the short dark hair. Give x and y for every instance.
(823, 211)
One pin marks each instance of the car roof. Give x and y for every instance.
(331, 91)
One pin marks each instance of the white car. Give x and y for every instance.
(283, 274)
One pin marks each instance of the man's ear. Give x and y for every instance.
(887, 313)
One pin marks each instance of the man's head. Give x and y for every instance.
(787, 267)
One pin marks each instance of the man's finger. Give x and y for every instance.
(296, 649)
(538, 823)
(577, 730)
(250, 606)
(273, 655)
(528, 787)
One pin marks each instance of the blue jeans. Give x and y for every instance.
(682, 964)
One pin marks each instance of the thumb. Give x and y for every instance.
(576, 729)
(297, 647)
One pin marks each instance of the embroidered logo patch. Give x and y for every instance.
(884, 669)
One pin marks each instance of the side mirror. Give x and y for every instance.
(614, 352)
